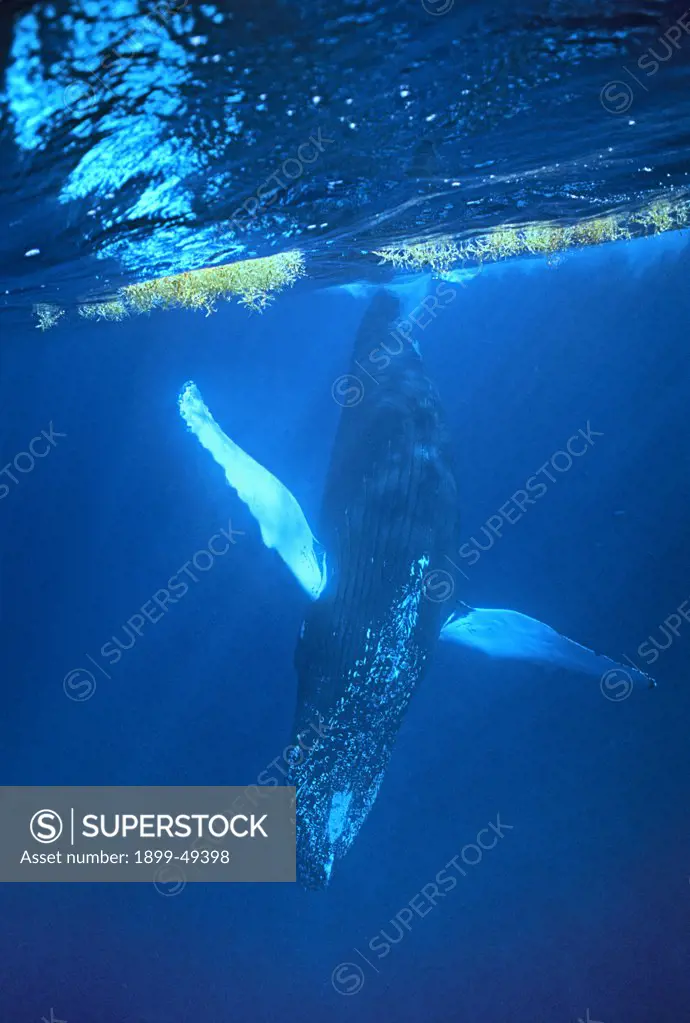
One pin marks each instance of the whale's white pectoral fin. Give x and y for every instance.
(281, 520)
(511, 635)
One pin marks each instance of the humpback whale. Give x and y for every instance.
(389, 520)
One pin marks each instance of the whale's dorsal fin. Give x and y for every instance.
(282, 522)
(514, 636)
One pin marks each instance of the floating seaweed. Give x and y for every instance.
(47, 315)
(113, 309)
(439, 254)
(547, 239)
(661, 216)
(252, 281)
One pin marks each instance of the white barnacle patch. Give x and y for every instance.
(406, 611)
(395, 656)
(337, 818)
(376, 688)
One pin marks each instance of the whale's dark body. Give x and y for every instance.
(389, 522)
(389, 516)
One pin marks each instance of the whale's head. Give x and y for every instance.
(336, 785)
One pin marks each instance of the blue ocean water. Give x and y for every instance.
(582, 904)
(528, 855)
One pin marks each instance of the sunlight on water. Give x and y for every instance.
(186, 137)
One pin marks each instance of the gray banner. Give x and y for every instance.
(164, 834)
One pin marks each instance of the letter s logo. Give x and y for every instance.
(46, 826)
(347, 391)
(347, 978)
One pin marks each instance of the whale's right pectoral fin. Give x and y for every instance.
(511, 635)
(281, 520)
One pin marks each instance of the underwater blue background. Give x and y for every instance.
(584, 904)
